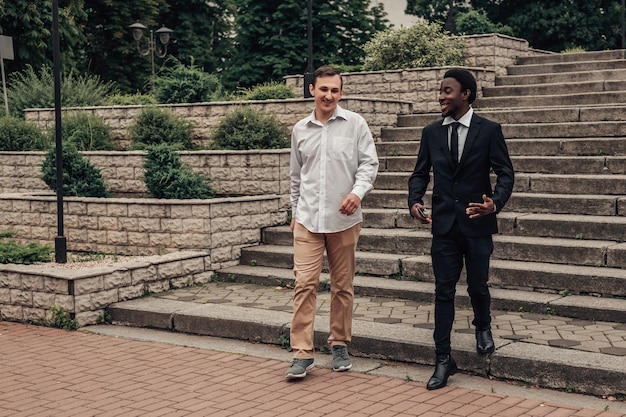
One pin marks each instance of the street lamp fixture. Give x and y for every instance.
(160, 50)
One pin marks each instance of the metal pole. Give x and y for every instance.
(60, 244)
(623, 26)
(151, 48)
(308, 75)
(4, 85)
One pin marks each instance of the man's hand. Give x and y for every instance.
(415, 212)
(475, 210)
(292, 225)
(350, 204)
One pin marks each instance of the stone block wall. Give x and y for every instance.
(378, 112)
(127, 226)
(259, 172)
(28, 292)
(488, 57)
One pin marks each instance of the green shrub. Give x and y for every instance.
(87, 132)
(129, 100)
(422, 45)
(60, 319)
(183, 84)
(268, 91)
(26, 254)
(80, 177)
(167, 177)
(19, 135)
(28, 89)
(476, 22)
(153, 127)
(247, 128)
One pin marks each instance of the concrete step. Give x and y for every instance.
(590, 184)
(534, 115)
(564, 100)
(550, 203)
(584, 225)
(507, 280)
(570, 87)
(572, 57)
(527, 131)
(564, 77)
(574, 66)
(531, 164)
(523, 352)
(572, 251)
(591, 146)
(605, 285)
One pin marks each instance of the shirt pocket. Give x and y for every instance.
(342, 148)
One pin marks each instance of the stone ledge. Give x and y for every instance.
(27, 292)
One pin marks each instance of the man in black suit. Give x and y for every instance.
(462, 150)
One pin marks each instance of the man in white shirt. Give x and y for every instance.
(333, 166)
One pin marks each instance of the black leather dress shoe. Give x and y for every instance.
(444, 367)
(484, 342)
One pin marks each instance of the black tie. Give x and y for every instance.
(454, 143)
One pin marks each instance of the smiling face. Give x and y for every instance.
(326, 91)
(453, 101)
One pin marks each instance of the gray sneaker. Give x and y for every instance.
(298, 368)
(341, 360)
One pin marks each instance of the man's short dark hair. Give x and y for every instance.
(466, 79)
(326, 71)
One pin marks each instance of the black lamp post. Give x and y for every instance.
(308, 75)
(60, 243)
(152, 48)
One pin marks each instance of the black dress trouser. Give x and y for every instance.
(448, 253)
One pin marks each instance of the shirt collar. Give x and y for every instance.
(464, 120)
(339, 112)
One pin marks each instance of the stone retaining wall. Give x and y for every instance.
(148, 226)
(259, 172)
(488, 57)
(28, 292)
(379, 112)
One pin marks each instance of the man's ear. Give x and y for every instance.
(312, 90)
(465, 94)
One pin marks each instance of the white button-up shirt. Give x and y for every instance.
(328, 162)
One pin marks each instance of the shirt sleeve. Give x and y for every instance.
(367, 161)
(295, 167)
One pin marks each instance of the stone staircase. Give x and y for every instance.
(560, 250)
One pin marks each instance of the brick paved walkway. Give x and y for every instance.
(51, 372)
(544, 329)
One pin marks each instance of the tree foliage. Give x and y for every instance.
(421, 45)
(271, 38)
(553, 25)
(29, 23)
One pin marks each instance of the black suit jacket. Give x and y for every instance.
(484, 151)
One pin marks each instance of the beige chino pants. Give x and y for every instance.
(308, 257)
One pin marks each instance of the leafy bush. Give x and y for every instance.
(268, 91)
(60, 319)
(183, 84)
(19, 135)
(14, 253)
(167, 177)
(476, 22)
(153, 127)
(87, 132)
(422, 45)
(80, 177)
(129, 100)
(247, 128)
(28, 89)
